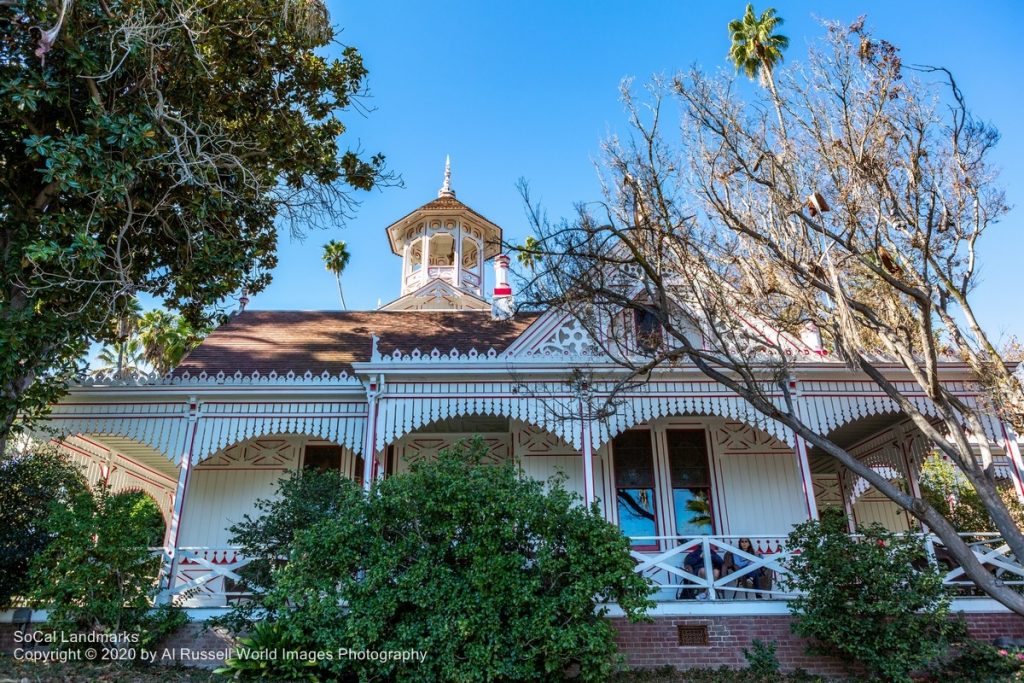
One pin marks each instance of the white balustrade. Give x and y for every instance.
(207, 576)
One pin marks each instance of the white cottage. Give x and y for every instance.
(683, 462)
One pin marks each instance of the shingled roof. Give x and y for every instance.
(280, 341)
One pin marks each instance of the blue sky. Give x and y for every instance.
(529, 90)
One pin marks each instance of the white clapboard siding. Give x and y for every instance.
(872, 506)
(218, 498)
(762, 493)
(543, 467)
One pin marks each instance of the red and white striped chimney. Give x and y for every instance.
(502, 303)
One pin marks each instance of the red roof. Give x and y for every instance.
(280, 341)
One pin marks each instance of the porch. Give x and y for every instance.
(212, 576)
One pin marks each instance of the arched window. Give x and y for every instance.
(416, 256)
(442, 250)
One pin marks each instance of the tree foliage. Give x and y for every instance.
(838, 214)
(952, 495)
(336, 257)
(300, 502)
(29, 484)
(493, 576)
(756, 48)
(98, 573)
(871, 598)
(155, 147)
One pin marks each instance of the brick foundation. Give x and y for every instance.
(656, 644)
(647, 645)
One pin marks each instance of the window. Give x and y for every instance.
(648, 331)
(634, 486)
(691, 482)
(322, 458)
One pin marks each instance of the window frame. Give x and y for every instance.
(709, 487)
(652, 545)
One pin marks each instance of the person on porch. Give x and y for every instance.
(694, 563)
(735, 562)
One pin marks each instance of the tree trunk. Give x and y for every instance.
(341, 295)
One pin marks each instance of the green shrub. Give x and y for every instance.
(268, 653)
(978, 662)
(949, 492)
(29, 484)
(300, 501)
(761, 659)
(492, 576)
(98, 574)
(864, 600)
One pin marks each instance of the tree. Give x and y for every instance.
(529, 255)
(29, 484)
(949, 492)
(167, 338)
(336, 259)
(101, 539)
(121, 357)
(155, 149)
(861, 223)
(494, 576)
(756, 49)
(873, 598)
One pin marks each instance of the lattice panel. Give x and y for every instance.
(531, 440)
(277, 453)
(416, 448)
(736, 437)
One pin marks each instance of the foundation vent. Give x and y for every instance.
(691, 635)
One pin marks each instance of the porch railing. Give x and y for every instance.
(208, 577)
(204, 577)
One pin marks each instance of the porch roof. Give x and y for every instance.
(298, 341)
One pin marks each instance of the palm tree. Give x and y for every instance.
(167, 338)
(121, 357)
(756, 48)
(335, 259)
(529, 254)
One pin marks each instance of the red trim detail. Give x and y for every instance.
(502, 291)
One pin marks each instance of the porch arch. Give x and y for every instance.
(401, 412)
(830, 406)
(161, 427)
(123, 465)
(640, 410)
(224, 424)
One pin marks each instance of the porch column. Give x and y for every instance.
(373, 390)
(851, 522)
(588, 464)
(803, 463)
(805, 476)
(1016, 463)
(174, 531)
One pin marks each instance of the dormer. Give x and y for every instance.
(446, 243)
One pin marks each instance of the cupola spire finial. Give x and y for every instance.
(446, 189)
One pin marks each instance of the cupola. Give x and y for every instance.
(443, 245)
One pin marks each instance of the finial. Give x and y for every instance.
(446, 189)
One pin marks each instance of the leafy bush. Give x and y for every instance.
(978, 662)
(864, 600)
(29, 484)
(492, 576)
(101, 540)
(145, 513)
(267, 653)
(301, 501)
(722, 674)
(761, 659)
(949, 492)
